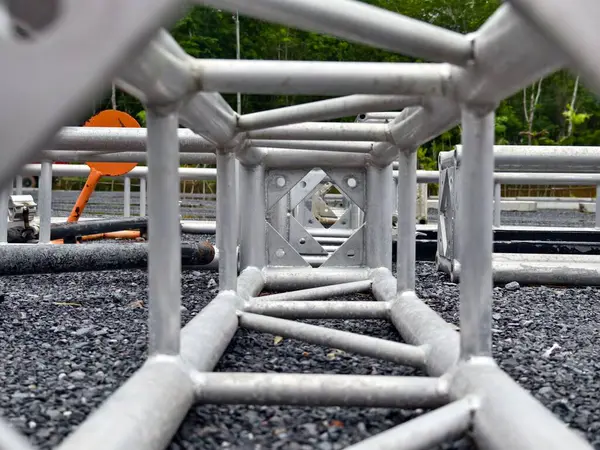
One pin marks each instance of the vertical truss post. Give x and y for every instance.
(406, 249)
(142, 197)
(279, 216)
(253, 211)
(227, 214)
(598, 206)
(45, 201)
(380, 194)
(475, 232)
(497, 204)
(4, 197)
(127, 197)
(19, 185)
(164, 252)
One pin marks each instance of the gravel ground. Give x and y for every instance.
(68, 341)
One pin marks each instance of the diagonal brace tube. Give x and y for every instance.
(319, 390)
(427, 431)
(321, 292)
(350, 342)
(319, 309)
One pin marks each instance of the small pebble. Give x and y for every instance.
(513, 286)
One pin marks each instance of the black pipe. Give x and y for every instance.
(29, 259)
(70, 230)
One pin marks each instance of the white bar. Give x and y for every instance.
(143, 197)
(358, 22)
(325, 131)
(332, 146)
(324, 110)
(4, 198)
(321, 77)
(127, 197)
(45, 201)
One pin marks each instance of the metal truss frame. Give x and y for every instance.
(465, 391)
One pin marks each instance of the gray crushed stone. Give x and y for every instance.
(68, 341)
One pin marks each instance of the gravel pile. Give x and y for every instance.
(68, 341)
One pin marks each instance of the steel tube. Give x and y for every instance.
(4, 201)
(73, 229)
(330, 146)
(497, 204)
(406, 246)
(164, 253)
(324, 110)
(45, 201)
(72, 170)
(29, 259)
(597, 212)
(553, 159)
(104, 156)
(303, 159)
(321, 292)
(195, 227)
(497, 424)
(334, 131)
(123, 140)
(350, 342)
(565, 273)
(314, 309)
(430, 430)
(556, 21)
(321, 77)
(318, 390)
(378, 216)
(475, 233)
(19, 185)
(377, 115)
(142, 197)
(418, 324)
(359, 22)
(281, 279)
(143, 413)
(127, 197)
(227, 219)
(253, 205)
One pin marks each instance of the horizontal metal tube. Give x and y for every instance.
(318, 390)
(321, 77)
(443, 425)
(159, 394)
(196, 227)
(377, 116)
(300, 159)
(107, 156)
(82, 170)
(555, 159)
(122, 140)
(498, 424)
(319, 309)
(330, 146)
(324, 110)
(322, 292)
(282, 279)
(72, 229)
(350, 342)
(335, 131)
(359, 22)
(418, 324)
(27, 259)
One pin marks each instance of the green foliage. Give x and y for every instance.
(210, 33)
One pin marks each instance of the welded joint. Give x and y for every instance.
(250, 155)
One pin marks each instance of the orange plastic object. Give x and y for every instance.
(109, 118)
(126, 234)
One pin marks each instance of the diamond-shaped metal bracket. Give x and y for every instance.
(280, 252)
(351, 253)
(302, 241)
(280, 182)
(308, 183)
(352, 183)
(344, 220)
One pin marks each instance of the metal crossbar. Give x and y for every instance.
(260, 158)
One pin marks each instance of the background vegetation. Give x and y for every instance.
(557, 110)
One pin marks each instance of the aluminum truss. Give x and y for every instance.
(465, 390)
